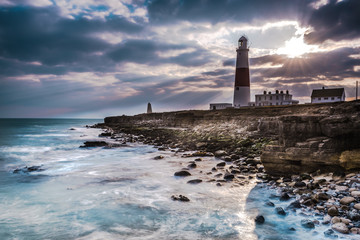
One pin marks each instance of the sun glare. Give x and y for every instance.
(295, 47)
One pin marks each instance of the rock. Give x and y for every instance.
(355, 194)
(229, 177)
(222, 164)
(180, 198)
(158, 157)
(295, 204)
(355, 230)
(327, 219)
(322, 196)
(72, 129)
(335, 220)
(192, 165)
(340, 227)
(320, 208)
(333, 211)
(105, 134)
(220, 153)
(330, 233)
(353, 215)
(198, 160)
(307, 223)
(344, 220)
(195, 181)
(292, 229)
(28, 169)
(347, 200)
(227, 159)
(300, 184)
(270, 204)
(357, 206)
(259, 219)
(284, 197)
(182, 174)
(280, 211)
(94, 144)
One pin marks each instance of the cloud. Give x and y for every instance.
(337, 20)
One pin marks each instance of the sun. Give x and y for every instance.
(296, 47)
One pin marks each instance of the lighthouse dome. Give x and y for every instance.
(242, 42)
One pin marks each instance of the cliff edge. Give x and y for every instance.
(305, 138)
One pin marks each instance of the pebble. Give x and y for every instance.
(182, 174)
(357, 206)
(355, 193)
(195, 181)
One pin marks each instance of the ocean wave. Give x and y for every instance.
(25, 149)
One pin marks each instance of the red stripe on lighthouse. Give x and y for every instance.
(242, 77)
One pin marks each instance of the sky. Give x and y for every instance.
(92, 58)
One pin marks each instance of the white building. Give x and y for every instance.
(327, 95)
(273, 99)
(219, 106)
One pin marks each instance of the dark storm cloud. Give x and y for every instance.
(147, 52)
(40, 34)
(336, 20)
(217, 11)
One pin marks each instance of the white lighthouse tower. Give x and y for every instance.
(242, 75)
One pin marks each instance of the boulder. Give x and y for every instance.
(195, 181)
(280, 211)
(340, 227)
(182, 174)
(180, 198)
(333, 211)
(158, 157)
(347, 200)
(259, 219)
(307, 223)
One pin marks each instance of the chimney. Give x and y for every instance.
(323, 87)
(149, 108)
(264, 92)
(277, 91)
(281, 92)
(287, 91)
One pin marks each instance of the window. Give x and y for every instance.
(277, 97)
(325, 98)
(270, 97)
(319, 98)
(277, 103)
(265, 97)
(259, 98)
(259, 104)
(270, 104)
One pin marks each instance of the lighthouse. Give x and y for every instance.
(242, 75)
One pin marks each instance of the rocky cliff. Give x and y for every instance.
(306, 138)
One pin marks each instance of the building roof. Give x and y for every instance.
(330, 92)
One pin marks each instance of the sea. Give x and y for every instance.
(123, 193)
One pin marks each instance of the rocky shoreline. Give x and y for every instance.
(332, 197)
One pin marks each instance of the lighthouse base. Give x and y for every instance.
(241, 97)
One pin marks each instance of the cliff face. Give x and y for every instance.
(307, 137)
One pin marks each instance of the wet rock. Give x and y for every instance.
(94, 144)
(218, 175)
(222, 164)
(327, 219)
(28, 169)
(340, 227)
(72, 129)
(227, 159)
(355, 194)
(192, 165)
(234, 171)
(180, 198)
(292, 229)
(330, 234)
(322, 196)
(333, 211)
(198, 160)
(295, 204)
(284, 197)
(307, 223)
(335, 220)
(182, 174)
(159, 157)
(353, 215)
(259, 219)
(355, 230)
(220, 153)
(105, 134)
(195, 181)
(300, 184)
(280, 211)
(270, 204)
(229, 177)
(347, 200)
